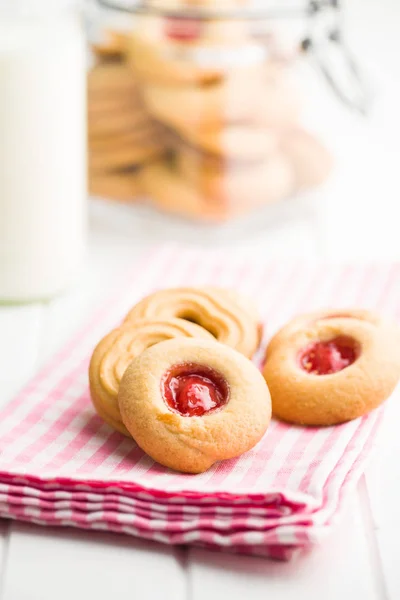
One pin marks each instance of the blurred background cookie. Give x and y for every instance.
(204, 112)
(112, 46)
(121, 134)
(237, 98)
(117, 185)
(170, 192)
(238, 183)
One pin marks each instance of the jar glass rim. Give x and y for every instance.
(33, 8)
(274, 11)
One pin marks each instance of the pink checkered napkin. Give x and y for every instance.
(60, 464)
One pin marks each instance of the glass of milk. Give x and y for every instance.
(42, 147)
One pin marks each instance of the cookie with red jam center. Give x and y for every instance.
(194, 390)
(329, 367)
(189, 403)
(325, 358)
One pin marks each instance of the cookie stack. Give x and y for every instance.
(198, 115)
(179, 353)
(122, 136)
(231, 114)
(176, 375)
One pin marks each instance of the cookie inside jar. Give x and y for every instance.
(218, 88)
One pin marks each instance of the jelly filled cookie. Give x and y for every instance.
(189, 403)
(117, 349)
(305, 320)
(332, 366)
(223, 314)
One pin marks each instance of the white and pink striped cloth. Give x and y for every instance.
(61, 465)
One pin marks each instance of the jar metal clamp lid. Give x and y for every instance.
(323, 40)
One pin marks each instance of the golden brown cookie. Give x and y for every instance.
(139, 151)
(121, 186)
(232, 321)
(116, 350)
(166, 48)
(111, 79)
(146, 135)
(110, 104)
(170, 193)
(333, 366)
(215, 195)
(238, 186)
(311, 161)
(116, 122)
(190, 403)
(238, 97)
(280, 102)
(162, 62)
(229, 143)
(308, 319)
(169, 62)
(112, 46)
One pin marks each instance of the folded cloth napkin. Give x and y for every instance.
(61, 465)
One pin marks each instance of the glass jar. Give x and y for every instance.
(201, 108)
(43, 58)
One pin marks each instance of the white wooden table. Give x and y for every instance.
(358, 218)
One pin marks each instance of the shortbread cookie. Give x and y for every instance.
(308, 319)
(234, 143)
(177, 58)
(238, 186)
(311, 161)
(111, 46)
(218, 311)
(190, 403)
(116, 350)
(216, 196)
(111, 78)
(330, 367)
(141, 136)
(119, 102)
(170, 193)
(115, 122)
(115, 185)
(236, 99)
(136, 153)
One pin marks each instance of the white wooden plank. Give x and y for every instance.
(20, 331)
(383, 487)
(339, 568)
(44, 564)
(382, 474)
(388, 544)
(4, 541)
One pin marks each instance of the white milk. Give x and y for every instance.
(42, 153)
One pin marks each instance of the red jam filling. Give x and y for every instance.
(325, 358)
(194, 390)
(182, 29)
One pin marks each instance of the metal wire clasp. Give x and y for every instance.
(326, 46)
